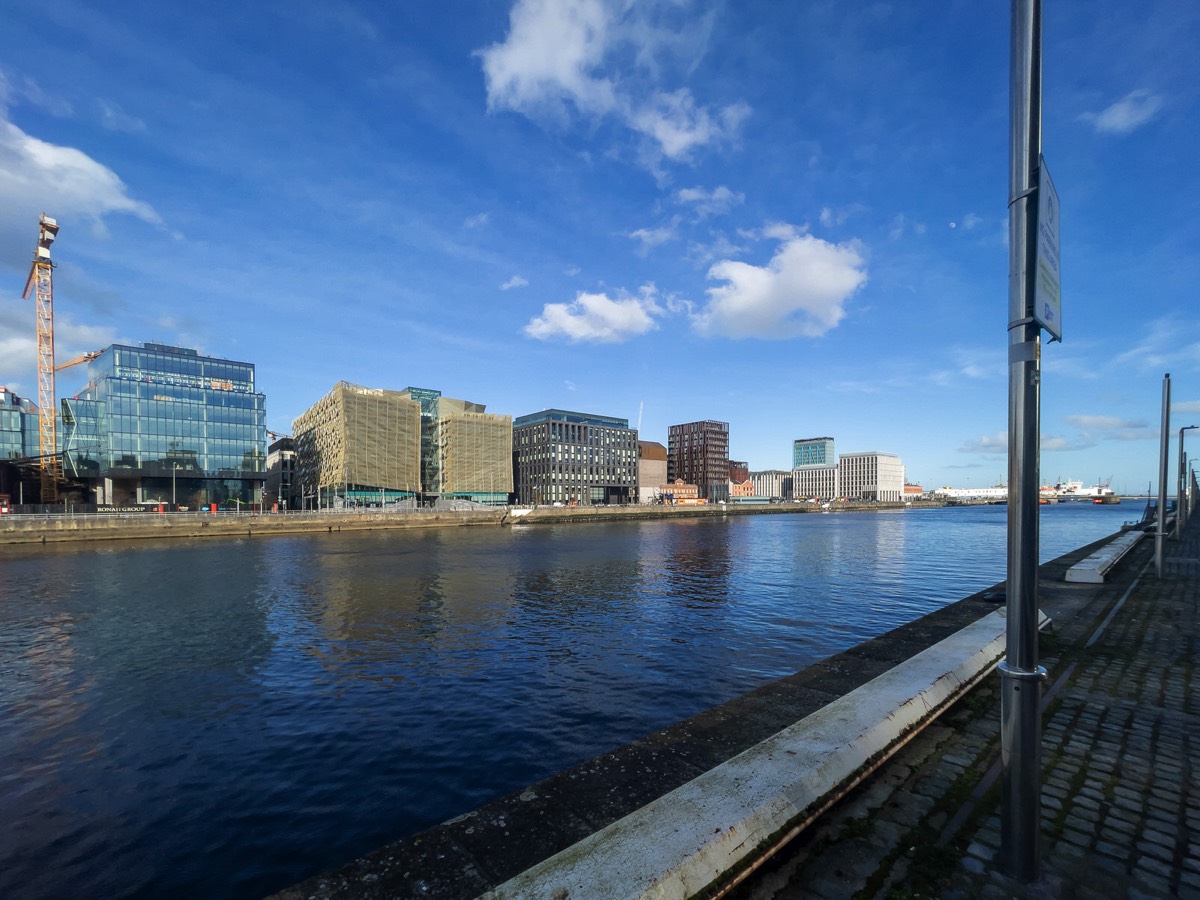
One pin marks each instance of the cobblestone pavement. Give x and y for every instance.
(1120, 808)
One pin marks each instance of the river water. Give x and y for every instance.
(226, 717)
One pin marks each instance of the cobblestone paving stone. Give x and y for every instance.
(1120, 760)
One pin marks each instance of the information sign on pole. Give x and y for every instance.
(1047, 299)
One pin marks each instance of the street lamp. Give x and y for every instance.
(1180, 511)
(174, 469)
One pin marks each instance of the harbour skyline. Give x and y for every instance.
(791, 221)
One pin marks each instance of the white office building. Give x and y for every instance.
(774, 484)
(871, 476)
(816, 482)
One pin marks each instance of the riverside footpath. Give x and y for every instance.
(1120, 806)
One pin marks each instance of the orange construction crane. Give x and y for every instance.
(81, 358)
(41, 283)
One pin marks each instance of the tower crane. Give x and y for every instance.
(41, 284)
(81, 358)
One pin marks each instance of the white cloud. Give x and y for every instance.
(679, 125)
(1168, 342)
(113, 118)
(549, 57)
(989, 444)
(515, 282)
(559, 56)
(36, 175)
(1103, 423)
(709, 203)
(1108, 428)
(802, 291)
(970, 221)
(597, 318)
(476, 221)
(1128, 114)
(1187, 406)
(830, 217)
(652, 237)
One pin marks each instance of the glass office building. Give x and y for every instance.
(816, 451)
(161, 424)
(18, 426)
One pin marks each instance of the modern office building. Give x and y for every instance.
(474, 453)
(698, 453)
(18, 426)
(164, 425)
(652, 470)
(573, 458)
(871, 476)
(816, 451)
(774, 484)
(281, 465)
(357, 446)
(816, 483)
(370, 446)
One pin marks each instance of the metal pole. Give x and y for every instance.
(1163, 455)
(1181, 510)
(1021, 676)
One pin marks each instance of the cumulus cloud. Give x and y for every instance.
(710, 203)
(597, 318)
(36, 175)
(802, 291)
(1128, 114)
(678, 125)
(515, 282)
(560, 58)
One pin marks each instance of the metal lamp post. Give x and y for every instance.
(174, 469)
(1180, 507)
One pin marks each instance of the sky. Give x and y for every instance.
(791, 217)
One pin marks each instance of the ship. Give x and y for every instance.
(1100, 492)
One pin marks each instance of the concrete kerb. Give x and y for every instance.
(684, 841)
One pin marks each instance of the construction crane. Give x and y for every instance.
(41, 283)
(81, 358)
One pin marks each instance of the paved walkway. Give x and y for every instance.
(1120, 761)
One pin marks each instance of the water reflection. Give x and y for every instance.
(227, 717)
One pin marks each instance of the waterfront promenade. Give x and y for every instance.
(1120, 760)
(1121, 816)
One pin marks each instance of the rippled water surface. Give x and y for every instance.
(224, 718)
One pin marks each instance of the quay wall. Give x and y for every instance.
(56, 528)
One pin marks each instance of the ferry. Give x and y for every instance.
(1100, 492)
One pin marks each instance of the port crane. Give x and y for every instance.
(41, 284)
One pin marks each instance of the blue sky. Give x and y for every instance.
(789, 217)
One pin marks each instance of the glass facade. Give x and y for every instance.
(813, 452)
(572, 458)
(158, 415)
(18, 426)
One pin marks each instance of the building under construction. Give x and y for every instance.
(370, 446)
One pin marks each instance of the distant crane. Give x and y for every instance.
(41, 284)
(81, 358)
